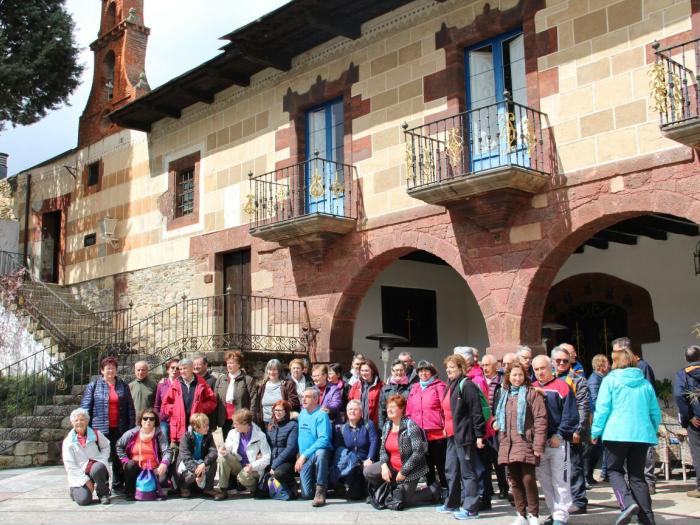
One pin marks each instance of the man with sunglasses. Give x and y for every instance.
(562, 358)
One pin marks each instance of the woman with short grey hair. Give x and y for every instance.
(85, 457)
(272, 389)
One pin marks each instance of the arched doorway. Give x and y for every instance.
(592, 309)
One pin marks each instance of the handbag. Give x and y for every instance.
(395, 499)
(262, 491)
(277, 490)
(146, 485)
(378, 497)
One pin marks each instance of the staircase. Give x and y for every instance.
(38, 392)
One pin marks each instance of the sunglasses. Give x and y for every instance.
(148, 418)
(561, 361)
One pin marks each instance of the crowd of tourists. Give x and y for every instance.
(525, 419)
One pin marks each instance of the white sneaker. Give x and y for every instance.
(532, 520)
(520, 520)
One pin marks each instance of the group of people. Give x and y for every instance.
(526, 419)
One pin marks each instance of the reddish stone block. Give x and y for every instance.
(549, 82)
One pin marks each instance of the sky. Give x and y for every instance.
(183, 35)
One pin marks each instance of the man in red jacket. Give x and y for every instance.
(187, 395)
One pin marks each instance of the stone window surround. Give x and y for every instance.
(188, 161)
(89, 189)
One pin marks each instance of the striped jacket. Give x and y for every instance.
(96, 402)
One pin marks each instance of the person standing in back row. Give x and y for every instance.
(686, 389)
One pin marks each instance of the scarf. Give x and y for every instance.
(425, 384)
(90, 435)
(401, 381)
(146, 438)
(231, 387)
(198, 439)
(521, 393)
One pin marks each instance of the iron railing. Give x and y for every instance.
(249, 323)
(674, 82)
(315, 186)
(72, 325)
(502, 134)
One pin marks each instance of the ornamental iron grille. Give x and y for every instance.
(184, 192)
(673, 82)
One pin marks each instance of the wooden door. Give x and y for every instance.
(237, 282)
(50, 246)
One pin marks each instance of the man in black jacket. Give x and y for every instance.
(686, 388)
(465, 427)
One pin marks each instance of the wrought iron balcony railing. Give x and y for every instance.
(674, 82)
(314, 187)
(479, 140)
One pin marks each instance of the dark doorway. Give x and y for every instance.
(591, 328)
(50, 246)
(237, 284)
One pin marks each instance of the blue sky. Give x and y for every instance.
(183, 35)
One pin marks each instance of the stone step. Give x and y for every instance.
(39, 422)
(28, 453)
(67, 399)
(27, 448)
(54, 410)
(77, 390)
(35, 434)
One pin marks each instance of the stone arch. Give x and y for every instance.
(338, 325)
(584, 288)
(537, 272)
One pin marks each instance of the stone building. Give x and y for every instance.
(458, 172)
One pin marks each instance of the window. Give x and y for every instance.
(411, 313)
(325, 135)
(90, 240)
(93, 174)
(182, 206)
(109, 75)
(184, 192)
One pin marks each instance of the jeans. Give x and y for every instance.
(463, 468)
(165, 429)
(315, 472)
(694, 442)
(637, 491)
(435, 458)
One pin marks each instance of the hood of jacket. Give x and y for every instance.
(631, 377)
(693, 370)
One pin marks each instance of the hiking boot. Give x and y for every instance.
(220, 495)
(185, 492)
(320, 497)
(104, 500)
(693, 493)
(577, 510)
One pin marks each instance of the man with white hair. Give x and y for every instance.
(553, 471)
(143, 388)
(524, 355)
(494, 379)
(315, 448)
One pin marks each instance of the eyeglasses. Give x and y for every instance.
(148, 418)
(279, 410)
(561, 361)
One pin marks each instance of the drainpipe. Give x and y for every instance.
(27, 201)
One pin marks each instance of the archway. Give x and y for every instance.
(597, 308)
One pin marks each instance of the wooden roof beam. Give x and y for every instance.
(236, 78)
(634, 229)
(670, 225)
(163, 110)
(261, 56)
(196, 94)
(597, 243)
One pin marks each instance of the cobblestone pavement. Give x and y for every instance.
(40, 495)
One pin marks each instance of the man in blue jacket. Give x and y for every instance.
(554, 472)
(314, 448)
(686, 392)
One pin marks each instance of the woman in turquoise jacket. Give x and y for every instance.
(627, 417)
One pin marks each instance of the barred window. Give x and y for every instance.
(93, 174)
(184, 192)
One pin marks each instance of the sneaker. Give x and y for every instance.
(220, 495)
(185, 493)
(104, 500)
(444, 509)
(693, 493)
(573, 510)
(520, 520)
(549, 520)
(626, 515)
(463, 514)
(532, 520)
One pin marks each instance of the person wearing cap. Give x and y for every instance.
(425, 409)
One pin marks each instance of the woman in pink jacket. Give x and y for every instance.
(425, 409)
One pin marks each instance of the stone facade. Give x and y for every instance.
(586, 68)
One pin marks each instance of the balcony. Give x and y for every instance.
(674, 91)
(306, 206)
(486, 162)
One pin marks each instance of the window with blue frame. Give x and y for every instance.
(493, 68)
(324, 173)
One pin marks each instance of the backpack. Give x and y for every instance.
(485, 409)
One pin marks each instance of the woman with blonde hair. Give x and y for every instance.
(627, 417)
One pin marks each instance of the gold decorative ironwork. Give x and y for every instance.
(659, 85)
(61, 385)
(250, 207)
(316, 188)
(282, 194)
(337, 188)
(530, 136)
(511, 131)
(410, 167)
(428, 162)
(454, 148)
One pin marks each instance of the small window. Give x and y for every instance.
(90, 240)
(184, 192)
(93, 174)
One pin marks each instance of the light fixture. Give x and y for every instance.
(387, 342)
(108, 227)
(697, 258)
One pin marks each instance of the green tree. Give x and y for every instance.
(38, 59)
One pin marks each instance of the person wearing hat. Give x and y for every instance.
(425, 409)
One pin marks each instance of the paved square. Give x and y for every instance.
(40, 495)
